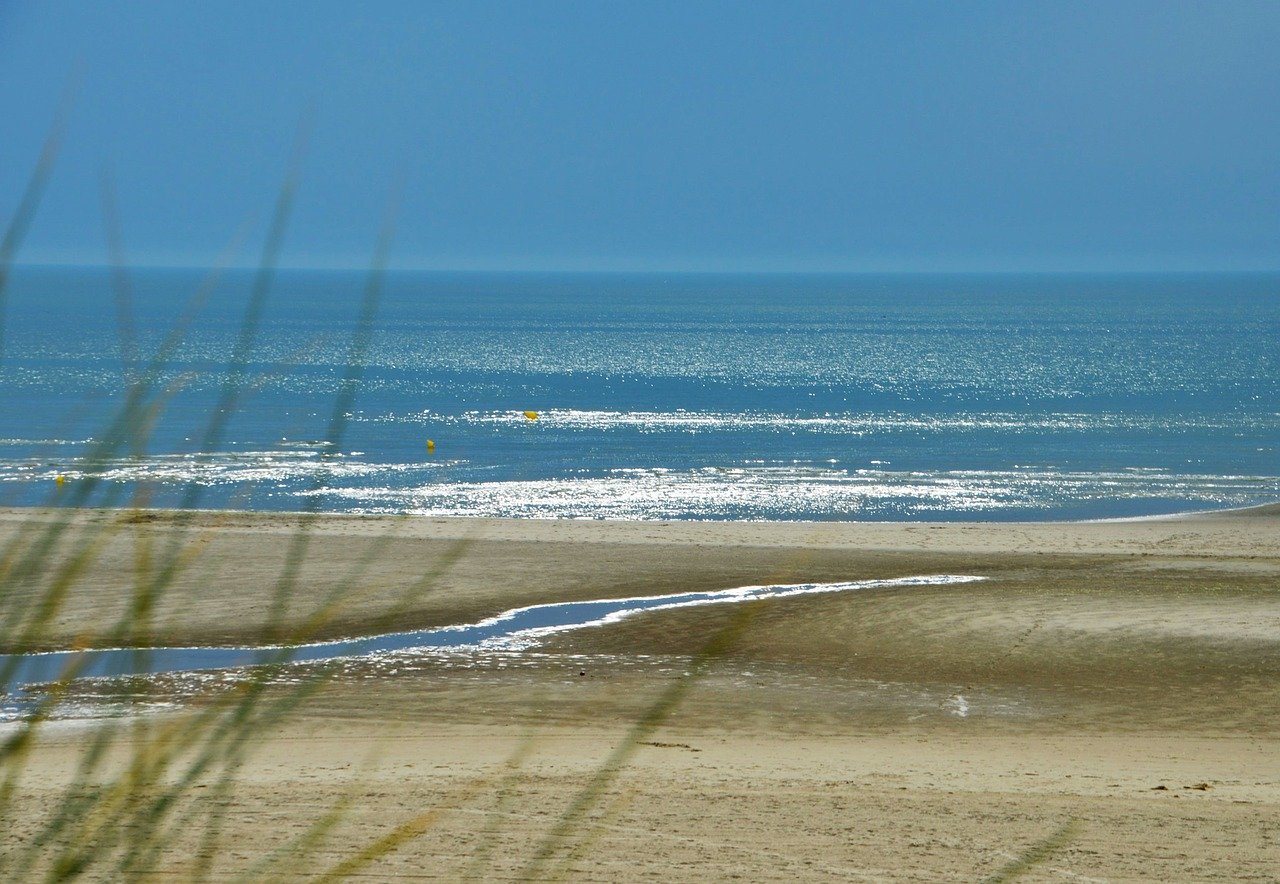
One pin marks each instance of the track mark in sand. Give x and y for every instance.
(1021, 641)
(659, 745)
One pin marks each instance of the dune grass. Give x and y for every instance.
(142, 781)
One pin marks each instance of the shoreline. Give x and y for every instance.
(1259, 509)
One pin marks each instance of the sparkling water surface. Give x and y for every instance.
(663, 396)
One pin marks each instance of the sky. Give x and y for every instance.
(704, 136)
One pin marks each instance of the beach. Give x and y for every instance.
(1102, 706)
(557, 442)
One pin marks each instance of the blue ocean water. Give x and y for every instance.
(659, 396)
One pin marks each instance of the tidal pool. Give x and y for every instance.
(514, 630)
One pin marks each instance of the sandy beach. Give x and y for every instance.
(1103, 706)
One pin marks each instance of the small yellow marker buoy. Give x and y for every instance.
(59, 480)
(531, 415)
(431, 445)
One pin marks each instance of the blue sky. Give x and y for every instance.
(649, 135)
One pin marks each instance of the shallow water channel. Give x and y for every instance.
(516, 629)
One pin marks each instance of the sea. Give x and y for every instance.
(656, 396)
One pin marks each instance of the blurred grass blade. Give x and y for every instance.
(1036, 854)
(573, 819)
(359, 355)
(120, 283)
(267, 264)
(16, 231)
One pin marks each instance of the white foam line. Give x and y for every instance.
(525, 637)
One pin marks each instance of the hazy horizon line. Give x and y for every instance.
(671, 270)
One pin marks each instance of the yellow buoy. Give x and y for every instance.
(60, 479)
(431, 445)
(531, 415)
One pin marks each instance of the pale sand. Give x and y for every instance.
(1098, 662)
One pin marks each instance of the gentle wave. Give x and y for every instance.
(220, 468)
(746, 489)
(42, 443)
(851, 423)
(801, 491)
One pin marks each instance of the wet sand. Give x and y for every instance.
(925, 733)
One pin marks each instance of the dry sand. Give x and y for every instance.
(1106, 702)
